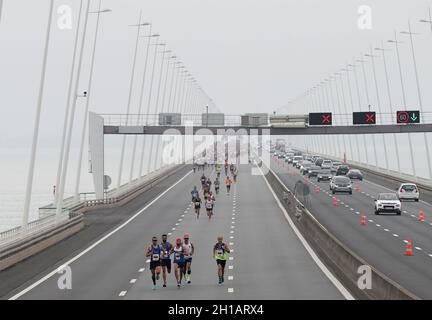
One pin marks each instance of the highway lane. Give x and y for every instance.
(381, 241)
(268, 259)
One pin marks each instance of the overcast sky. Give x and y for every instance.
(249, 55)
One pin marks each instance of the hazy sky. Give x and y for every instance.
(249, 55)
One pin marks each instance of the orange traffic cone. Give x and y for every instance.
(335, 202)
(408, 250)
(363, 219)
(357, 188)
(318, 189)
(421, 217)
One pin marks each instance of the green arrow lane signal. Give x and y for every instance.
(414, 117)
(408, 117)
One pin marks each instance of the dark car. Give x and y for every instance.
(313, 171)
(319, 162)
(355, 174)
(342, 170)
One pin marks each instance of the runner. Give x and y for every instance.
(189, 251)
(217, 185)
(213, 199)
(154, 252)
(179, 261)
(203, 180)
(228, 183)
(235, 175)
(194, 193)
(197, 205)
(167, 250)
(209, 207)
(220, 253)
(218, 170)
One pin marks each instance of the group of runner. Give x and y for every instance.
(182, 252)
(160, 259)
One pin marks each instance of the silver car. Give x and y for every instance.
(341, 184)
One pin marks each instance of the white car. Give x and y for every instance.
(327, 164)
(388, 202)
(408, 191)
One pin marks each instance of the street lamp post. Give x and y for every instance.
(383, 50)
(372, 57)
(410, 33)
(396, 43)
(132, 81)
(69, 96)
(89, 95)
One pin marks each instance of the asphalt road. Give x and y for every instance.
(382, 241)
(268, 260)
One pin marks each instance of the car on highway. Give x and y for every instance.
(324, 175)
(318, 162)
(327, 164)
(335, 165)
(342, 170)
(388, 202)
(304, 168)
(313, 171)
(408, 191)
(296, 159)
(355, 174)
(341, 184)
(289, 156)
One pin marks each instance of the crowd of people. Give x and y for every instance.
(163, 254)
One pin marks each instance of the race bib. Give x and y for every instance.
(219, 252)
(155, 257)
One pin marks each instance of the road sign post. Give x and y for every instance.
(321, 119)
(408, 117)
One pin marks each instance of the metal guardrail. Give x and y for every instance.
(34, 228)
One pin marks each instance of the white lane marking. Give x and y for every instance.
(173, 229)
(177, 224)
(232, 250)
(231, 237)
(185, 212)
(231, 243)
(230, 267)
(395, 235)
(182, 215)
(232, 232)
(148, 261)
(141, 270)
(430, 255)
(180, 220)
(418, 248)
(233, 222)
(232, 227)
(370, 220)
(230, 290)
(91, 247)
(378, 225)
(230, 278)
(352, 209)
(133, 281)
(170, 234)
(231, 258)
(319, 263)
(122, 294)
(386, 230)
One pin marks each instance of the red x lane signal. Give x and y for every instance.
(320, 119)
(364, 117)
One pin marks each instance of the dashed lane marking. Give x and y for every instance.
(133, 281)
(122, 294)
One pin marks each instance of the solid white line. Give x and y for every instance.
(91, 247)
(313, 255)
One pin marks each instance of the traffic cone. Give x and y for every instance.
(408, 250)
(421, 217)
(317, 189)
(357, 188)
(335, 202)
(363, 219)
